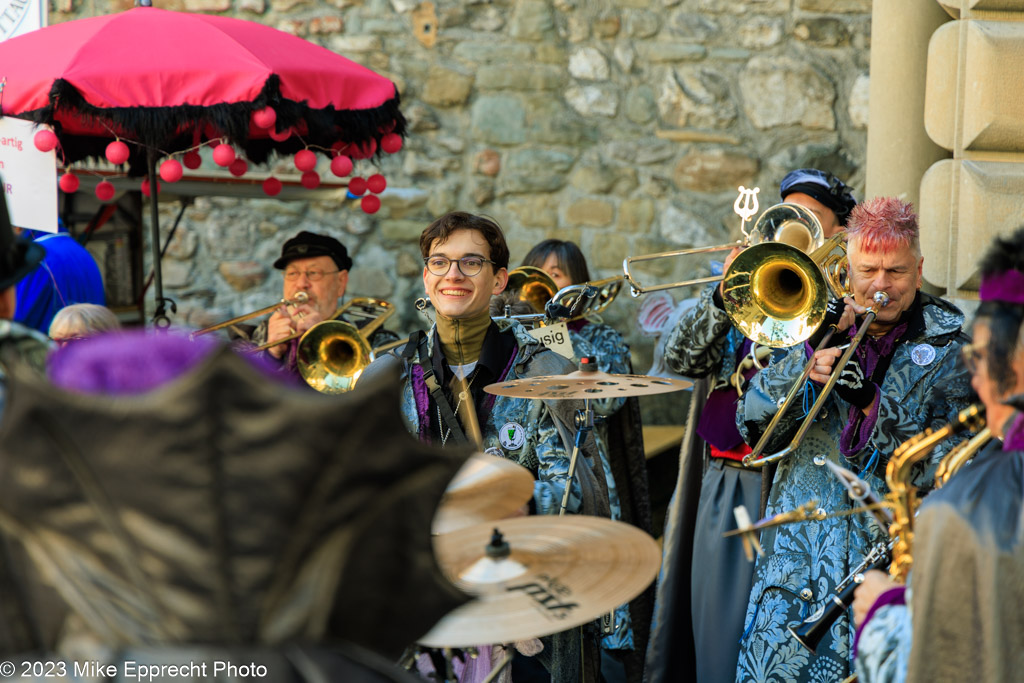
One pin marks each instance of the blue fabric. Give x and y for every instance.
(67, 275)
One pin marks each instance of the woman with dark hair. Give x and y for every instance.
(620, 444)
(959, 616)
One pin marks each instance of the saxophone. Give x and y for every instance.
(902, 494)
(960, 456)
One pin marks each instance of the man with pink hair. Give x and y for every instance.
(903, 378)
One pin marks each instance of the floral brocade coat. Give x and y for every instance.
(925, 386)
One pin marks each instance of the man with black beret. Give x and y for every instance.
(317, 265)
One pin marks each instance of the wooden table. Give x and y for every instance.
(661, 438)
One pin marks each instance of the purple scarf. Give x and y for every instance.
(872, 350)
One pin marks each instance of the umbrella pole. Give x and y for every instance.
(160, 318)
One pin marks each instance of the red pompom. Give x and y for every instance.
(45, 140)
(223, 154)
(105, 191)
(305, 160)
(370, 203)
(117, 152)
(341, 166)
(365, 150)
(264, 118)
(171, 171)
(391, 143)
(357, 186)
(192, 160)
(271, 187)
(310, 180)
(238, 167)
(376, 183)
(145, 187)
(69, 182)
(282, 136)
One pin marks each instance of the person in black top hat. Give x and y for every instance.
(317, 265)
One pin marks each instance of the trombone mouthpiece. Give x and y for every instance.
(300, 297)
(882, 299)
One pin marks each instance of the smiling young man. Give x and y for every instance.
(903, 378)
(465, 263)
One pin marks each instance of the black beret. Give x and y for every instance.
(309, 244)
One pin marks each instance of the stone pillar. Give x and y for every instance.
(899, 150)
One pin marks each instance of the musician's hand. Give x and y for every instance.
(728, 262)
(824, 361)
(305, 316)
(875, 583)
(279, 326)
(850, 312)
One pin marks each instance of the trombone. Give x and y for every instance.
(756, 458)
(333, 354)
(299, 299)
(787, 223)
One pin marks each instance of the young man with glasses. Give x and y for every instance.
(318, 266)
(465, 261)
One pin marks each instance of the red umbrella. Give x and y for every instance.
(165, 81)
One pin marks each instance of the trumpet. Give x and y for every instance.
(755, 457)
(299, 299)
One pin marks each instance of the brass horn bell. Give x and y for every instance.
(332, 355)
(535, 287)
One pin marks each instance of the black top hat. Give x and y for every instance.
(309, 244)
(17, 257)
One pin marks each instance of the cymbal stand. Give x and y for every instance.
(583, 420)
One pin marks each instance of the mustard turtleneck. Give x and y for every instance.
(462, 339)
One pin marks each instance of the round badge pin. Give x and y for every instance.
(923, 354)
(512, 436)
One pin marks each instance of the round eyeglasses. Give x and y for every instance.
(468, 265)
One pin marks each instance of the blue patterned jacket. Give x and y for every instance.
(804, 562)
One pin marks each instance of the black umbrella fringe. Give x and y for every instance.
(172, 129)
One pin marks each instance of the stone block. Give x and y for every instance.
(625, 56)
(254, 6)
(641, 106)
(344, 45)
(759, 33)
(822, 31)
(242, 275)
(492, 52)
(589, 64)
(279, 6)
(636, 215)
(694, 28)
(446, 87)
(525, 77)
(402, 230)
(748, 7)
(643, 24)
(489, 19)
(487, 162)
(608, 250)
(696, 96)
(498, 120)
(607, 26)
(327, 23)
(403, 202)
(408, 265)
(550, 122)
(642, 152)
(593, 179)
(835, 6)
(481, 190)
(375, 282)
(858, 107)
(534, 170)
(593, 100)
(681, 227)
(660, 52)
(183, 246)
(633, 4)
(207, 5)
(714, 170)
(531, 20)
(780, 91)
(176, 274)
(421, 118)
(548, 53)
(589, 211)
(539, 210)
(577, 28)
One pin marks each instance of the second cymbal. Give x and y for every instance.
(592, 384)
(487, 487)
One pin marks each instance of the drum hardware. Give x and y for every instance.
(297, 300)
(756, 458)
(557, 573)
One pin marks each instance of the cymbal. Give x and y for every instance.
(487, 487)
(587, 384)
(559, 572)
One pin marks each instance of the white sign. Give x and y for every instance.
(556, 338)
(21, 16)
(29, 176)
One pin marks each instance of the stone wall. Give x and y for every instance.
(625, 125)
